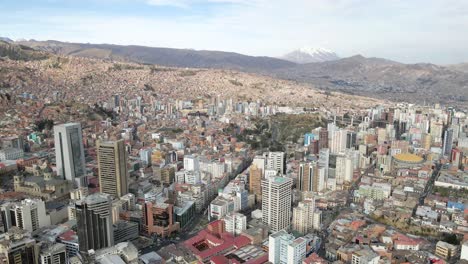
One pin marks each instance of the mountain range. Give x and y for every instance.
(373, 77)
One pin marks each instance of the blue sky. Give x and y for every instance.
(404, 30)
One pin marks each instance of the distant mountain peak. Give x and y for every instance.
(310, 54)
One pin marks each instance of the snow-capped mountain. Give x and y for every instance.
(308, 55)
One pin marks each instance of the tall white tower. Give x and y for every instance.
(276, 202)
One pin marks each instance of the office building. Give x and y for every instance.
(337, 141)
(255, 182)
(448, 142)
(69, 151)
(112, 165)
(27, 214)
(94, 221)
(276, 202)
(159, 218)
(305, 176)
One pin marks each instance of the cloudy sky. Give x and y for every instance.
(404, 30)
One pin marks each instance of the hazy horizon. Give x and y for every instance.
(409, 32)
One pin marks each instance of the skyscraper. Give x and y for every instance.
(305, 217)
(306, 174)
(255, 181)
(112, 164)
(94, 221)
(448, 142)
(69, 151)
(276, 202)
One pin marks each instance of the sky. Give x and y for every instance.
(409, 31)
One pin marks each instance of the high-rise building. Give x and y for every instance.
(323, 138)
(448, 142)
(283, 248)
(276, 202)
(260, 162)
(338, 141)
(27, 214)
(69, 151)
(275, 161)
(305, 176)
(255, 181)
(344, 169)
(112, 165)
(426, 141)
(94, 221)
(303, 217)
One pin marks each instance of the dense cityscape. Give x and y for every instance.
(219, 180)
(198, 132)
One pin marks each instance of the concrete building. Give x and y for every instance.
(305, 176)
(235, 223)
(445, 250)
(191, 163)
(283, 248)
(255, 181)
(27, 214)
(54, 254)
(125, 231)
(448, 142)
(94, 221)
(464, 250)
(112, 165)
(276, 161)
(158, 218)
(305, 217)
(18, 247)
(276, 203)
(337, 141)
(11, 154)
(69, 151)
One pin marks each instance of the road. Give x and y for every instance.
(429, 186)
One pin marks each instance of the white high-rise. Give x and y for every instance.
(28, 214)
(276, 202)
(283, 248)
(275, 161)
(338, 141)
(69, 151)
(235, 223)
(191, 163)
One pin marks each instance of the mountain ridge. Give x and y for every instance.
(375, 77)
